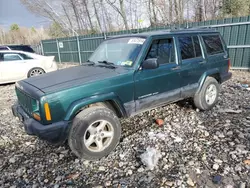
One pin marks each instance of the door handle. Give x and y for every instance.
(176, 68)
(202, 62)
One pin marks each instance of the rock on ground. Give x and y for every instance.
(196, 148)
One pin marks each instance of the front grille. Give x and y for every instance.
(25, 101)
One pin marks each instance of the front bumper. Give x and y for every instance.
(54, 133)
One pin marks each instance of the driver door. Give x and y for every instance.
(154, 87)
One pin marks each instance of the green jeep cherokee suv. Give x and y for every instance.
(124, 76)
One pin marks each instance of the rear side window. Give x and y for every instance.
(22, 48)
(3, 48)
(190, 47)
(213, 44)
(25, 56)
(11, 57)
(163, 50)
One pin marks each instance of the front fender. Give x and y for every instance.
(76, 106)
(204, 76)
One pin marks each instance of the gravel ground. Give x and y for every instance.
(197, 149)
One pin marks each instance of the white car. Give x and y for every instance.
(18, 65)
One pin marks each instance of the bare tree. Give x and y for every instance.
(120, 9)
(87, 10)
(89, 16)
(97, 14)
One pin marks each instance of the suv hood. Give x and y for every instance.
(70, 77)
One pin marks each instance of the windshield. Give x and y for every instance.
(120, 51)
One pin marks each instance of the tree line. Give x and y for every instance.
(22, 35)
(94, 16)
(79, 17)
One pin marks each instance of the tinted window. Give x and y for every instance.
(187, 47)
(3, 48)
(197, 46)
(11, 57)
(163, 50)
(190, 47)
(213, 44)
(1, 56)
(22, 48)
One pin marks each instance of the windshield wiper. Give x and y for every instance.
(88, 63)
(108, 63)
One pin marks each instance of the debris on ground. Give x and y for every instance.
(73, 176)
(190, 182)
(230, 111)
(150, 158)
(247, 162)
(159, 122)
(217, 179)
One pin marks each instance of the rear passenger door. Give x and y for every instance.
(193, 63)
(217, 56)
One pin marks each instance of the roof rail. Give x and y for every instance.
(193, 28)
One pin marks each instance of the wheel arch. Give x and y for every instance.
(215, 73)
(110, 101)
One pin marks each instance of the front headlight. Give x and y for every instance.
(35, 109)
(35, 105)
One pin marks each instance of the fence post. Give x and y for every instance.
(79, 49)
(42, 50)
(58, 51)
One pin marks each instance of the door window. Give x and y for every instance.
(11, 57)
(190, 47)
(163, 50)
(213, 44)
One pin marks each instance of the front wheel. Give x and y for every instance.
(208, 96)
(95, 132)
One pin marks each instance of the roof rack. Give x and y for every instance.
(192, 28)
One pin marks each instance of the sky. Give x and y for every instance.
(12, 11)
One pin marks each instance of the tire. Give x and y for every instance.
(85, 137)
(204, 100)
(35, 72)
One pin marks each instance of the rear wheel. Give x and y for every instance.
(95, 132)
(208, 96)
(35, 72)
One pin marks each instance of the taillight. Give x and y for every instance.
(229, 65)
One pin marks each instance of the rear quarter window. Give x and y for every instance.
(22, 48)
(3, 48)
(213, 44)
(25, 56)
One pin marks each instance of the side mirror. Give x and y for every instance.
(150, 64)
